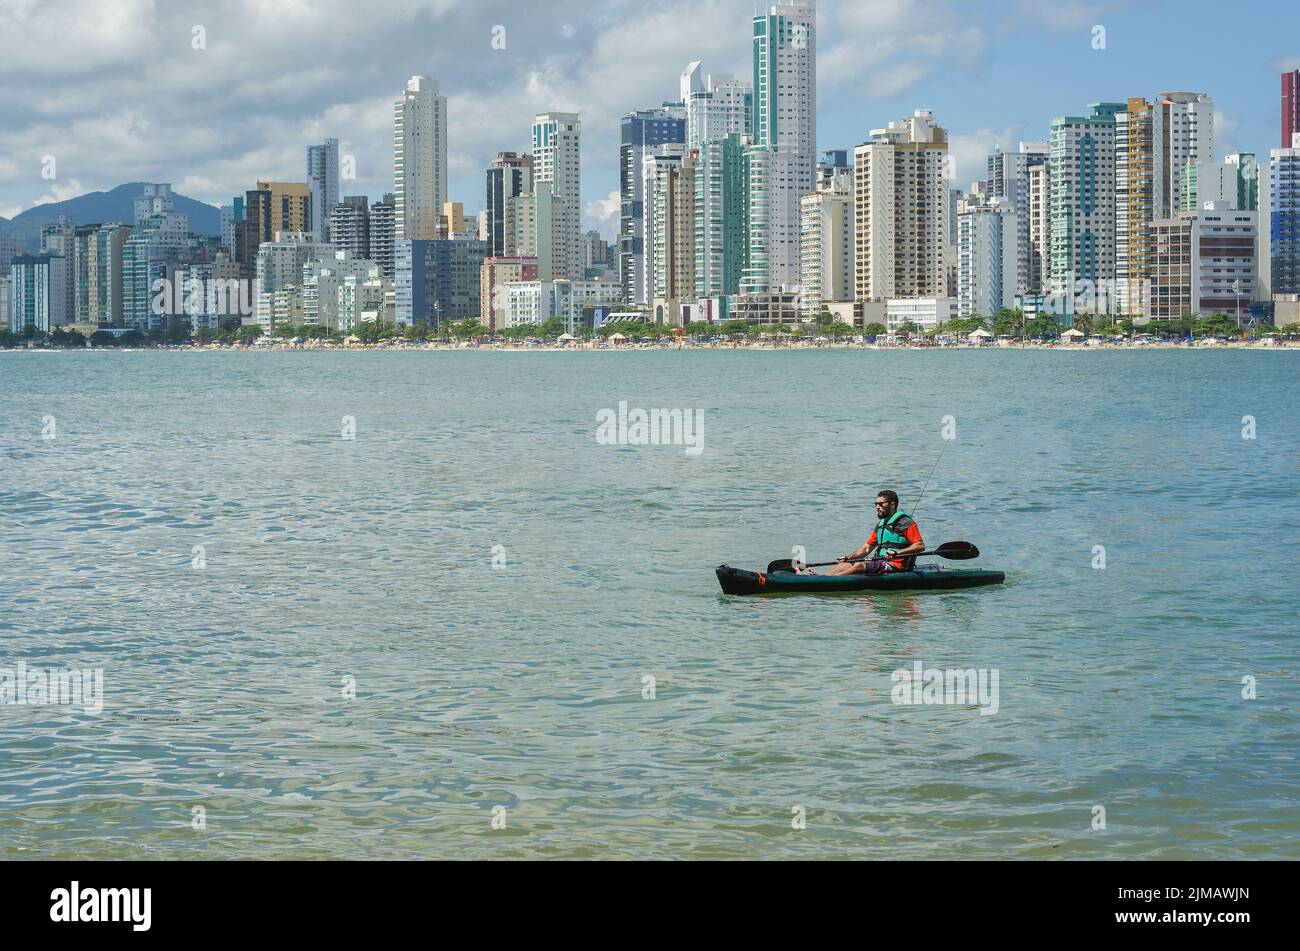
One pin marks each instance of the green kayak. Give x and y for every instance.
(928, 578)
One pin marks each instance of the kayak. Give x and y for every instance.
(928, 578)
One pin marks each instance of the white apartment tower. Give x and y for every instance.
(557, 139)
(715, 108)
(419, 159)
(1082, 173)
(826, 244)
(1008, 177)
(988, 256)
(900, 210)
(1183, 133)
(784, 155)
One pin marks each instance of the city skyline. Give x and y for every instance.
(178, 116)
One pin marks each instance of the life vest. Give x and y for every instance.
(889, 538)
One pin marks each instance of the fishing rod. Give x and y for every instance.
(917, 507)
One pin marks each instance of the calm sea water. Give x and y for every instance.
(369, 561)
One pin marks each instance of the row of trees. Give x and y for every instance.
(1006, 322)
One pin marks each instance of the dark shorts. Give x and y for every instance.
(877, 566)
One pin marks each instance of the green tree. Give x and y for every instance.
(874, 329)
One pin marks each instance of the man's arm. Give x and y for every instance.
(861, 550)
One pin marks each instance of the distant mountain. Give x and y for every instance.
(115, 205)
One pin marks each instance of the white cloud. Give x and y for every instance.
(61, 191)
(603, 213)
(970, 152)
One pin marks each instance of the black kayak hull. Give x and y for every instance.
(740, 581)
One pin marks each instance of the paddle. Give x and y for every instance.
(956, 551)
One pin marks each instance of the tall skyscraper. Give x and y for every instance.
(1284, 207)
(1008, 177)
(383, 233)
(1290, 107)
(59, 239)
(1135, 210)
(99, 273)
(1183, 132)
(784, 157)
(37, 293)
(900, 210)
(323, 179)
(721, 216)
(672, 231)
(350, 225)
(654, 176)
(646, 132)
(988, 255)
(270, 208)
(826, 244)
(1082, 174)
(557, 150)
(419, 158)
(715, 108)
(509, 176)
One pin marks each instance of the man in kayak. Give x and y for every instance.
(893, 541)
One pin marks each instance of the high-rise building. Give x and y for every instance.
(99, 274)
(1284, 215)
(557, 149)
(1290, 107)
(155, 199)
(155, 247)
(6, 299)
(1183, 132)
(1008, 177)
(988, 255)
(323, 180)
(1135, 150)
(419, 158)
(784, 155)
(232, 220)
(322, 281)
(1234, 181)
(36, 293)
(8, 248)
(350, 226)
(644, 133)
(900, 209)
(721, 216)
(270, 208)
(1083, 205)
(494, 276)
(383, 233)
(59, 238)
(1040, 227)
(438, 281)
(509, 176)
(826, 244)
(1203, 262)
(654, 173)
(716, 107)
(672, 228)
(542, 227)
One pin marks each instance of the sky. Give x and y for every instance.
(213, 96)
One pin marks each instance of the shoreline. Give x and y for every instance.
(606, 348)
